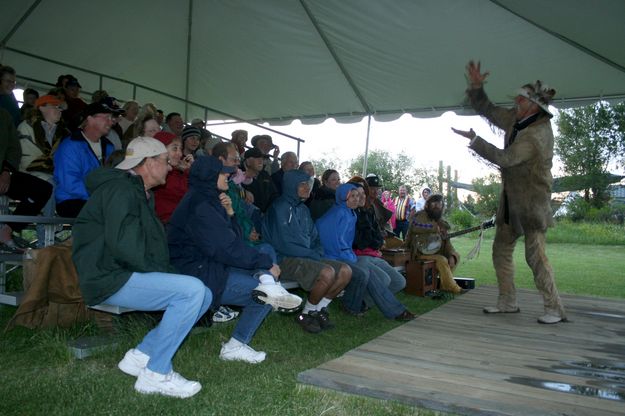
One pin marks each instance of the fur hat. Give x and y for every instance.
(538, 93)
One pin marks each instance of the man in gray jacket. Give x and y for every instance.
(524, 205)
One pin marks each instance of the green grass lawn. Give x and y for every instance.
(39, 376)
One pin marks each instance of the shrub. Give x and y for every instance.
(461, 219)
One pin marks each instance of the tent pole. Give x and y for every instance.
(188, 69)
(19, 23)
(364, 162)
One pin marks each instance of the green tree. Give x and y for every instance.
(590, 139)
(394, 170)
(488, 190)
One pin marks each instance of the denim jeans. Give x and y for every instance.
(363, 283)
(183, 298)
(383, 271)
(238, 291)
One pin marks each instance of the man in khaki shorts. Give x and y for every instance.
(289, 228)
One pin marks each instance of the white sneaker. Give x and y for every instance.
(133, 362)
(276, 296)
(241, 352)
(172, 384)
(224, 314)
(549, 318)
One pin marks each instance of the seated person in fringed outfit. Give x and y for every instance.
(426, 234)
(120, 253)
(168, 196)
(288, 227)
(205, 241)
(336, 231)
(77, 155)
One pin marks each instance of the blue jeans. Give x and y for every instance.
(184, 298)
(363, 283)
(401, 229)
(238, 291)
(396, 281)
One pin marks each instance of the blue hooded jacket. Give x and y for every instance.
(288, 226)
(337, 227)
(203, 240)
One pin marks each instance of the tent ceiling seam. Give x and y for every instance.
(334, 55)
(563, 38)
(19, 23)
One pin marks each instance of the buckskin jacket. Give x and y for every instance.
(525, 165)
(421, 230)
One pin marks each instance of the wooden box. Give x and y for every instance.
(421, 277)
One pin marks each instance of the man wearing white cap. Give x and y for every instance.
(525, 202)
(121, 255)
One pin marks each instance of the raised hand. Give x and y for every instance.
(470, 134)
(474, 74)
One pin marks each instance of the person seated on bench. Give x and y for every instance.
(369, 239)
(205, 241)
(77, 155)
(336, 230)
(427, 232)
(289, 228)
(32, 192)
(121, 255)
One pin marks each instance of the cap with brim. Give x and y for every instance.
(47, 100)
(253, 152)
(140, 148)
(97, 108)
(255, 139)
(165, 137)
(73, 82)
(373, 181)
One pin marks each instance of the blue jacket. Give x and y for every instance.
(203, 241)
(73, 160)
(287, 224)
(337, 228)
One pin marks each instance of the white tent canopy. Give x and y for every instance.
(278, 60)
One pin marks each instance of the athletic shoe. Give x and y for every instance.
(549, 318)
(309, 322)
(276, 296)
(350, 312)
(172, 384)
(323, 317)
(497, 309)
(224, 314)
(241, 352)
(133, 362)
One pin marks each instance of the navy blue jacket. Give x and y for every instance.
(288, 226)
(203, 241)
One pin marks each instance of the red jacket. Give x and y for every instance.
(167, 197)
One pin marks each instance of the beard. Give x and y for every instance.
(434, 213)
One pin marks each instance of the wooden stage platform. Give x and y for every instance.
(457, 359)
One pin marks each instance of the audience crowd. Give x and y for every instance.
(171, 217)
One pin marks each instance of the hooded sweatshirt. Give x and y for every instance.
(337, 227)
(288, 226)
(203, 240)
(116, 234)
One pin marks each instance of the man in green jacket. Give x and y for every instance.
(121, 255)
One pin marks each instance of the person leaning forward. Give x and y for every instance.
(524, 204)
(121, 255)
